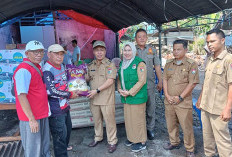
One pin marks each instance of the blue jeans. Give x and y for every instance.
(60, 127)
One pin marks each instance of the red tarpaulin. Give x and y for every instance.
(84, 19)
(121, 33)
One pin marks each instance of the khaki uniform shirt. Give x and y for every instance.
(98, 74)
(142, 76)
(218, 75)
(150, 57)
(178, 77)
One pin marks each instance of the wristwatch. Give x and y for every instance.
(98, 91)
(180, 98)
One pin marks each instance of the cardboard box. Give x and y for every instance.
(85, 122)
(12, 56)
(79, 100)
(10, 46)
(21, 46)
(80, 106)
(5, 91)
(7, 69)
(87, 113)
(86, 105)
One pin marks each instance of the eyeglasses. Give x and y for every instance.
(36, 52)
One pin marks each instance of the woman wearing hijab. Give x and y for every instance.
(132, 87)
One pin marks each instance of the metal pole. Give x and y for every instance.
(160, 43)
(116, 46)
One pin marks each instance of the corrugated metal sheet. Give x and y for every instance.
(11, 149)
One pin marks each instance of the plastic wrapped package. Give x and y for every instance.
(76, 78)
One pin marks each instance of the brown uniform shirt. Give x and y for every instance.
(142, 76)
(178, 77)
(218, 75)
(150, 57)
(98, 74)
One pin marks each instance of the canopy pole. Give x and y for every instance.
(116, 46)
(160, 43)
(54, 23)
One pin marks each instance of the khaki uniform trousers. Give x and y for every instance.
(135, 122)
(150, 109)
(108, 113)
(215, 132)
(176, 115)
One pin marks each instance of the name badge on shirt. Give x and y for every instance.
(150, 52)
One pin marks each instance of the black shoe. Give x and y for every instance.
(150, 135)
(138, 147)
(128, 143)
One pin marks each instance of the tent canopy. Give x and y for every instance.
(118, 14)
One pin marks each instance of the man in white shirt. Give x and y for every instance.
(76, 53)
(67, 56)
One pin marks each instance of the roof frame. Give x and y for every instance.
(106, 11)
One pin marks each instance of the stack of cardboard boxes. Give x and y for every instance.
(81, 115)
(9, 60)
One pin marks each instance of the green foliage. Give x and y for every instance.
(198, 46)
(132, 29)
(190, 47)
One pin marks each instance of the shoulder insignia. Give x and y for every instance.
(91, 62)
(169, 61)
(108, 61)
(110, 65)
(190, 60)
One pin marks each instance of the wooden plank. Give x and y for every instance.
(10, 138)
(7, 106)
(15, 137)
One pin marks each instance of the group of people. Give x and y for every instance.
(36, 88)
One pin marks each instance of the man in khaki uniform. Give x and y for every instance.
(180, 77)
(101, 75)
(215, 100)
(149, 55)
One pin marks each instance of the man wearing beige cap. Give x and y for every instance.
(56, 84)
(101, 75)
